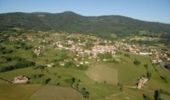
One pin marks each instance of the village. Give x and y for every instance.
(90, 48)
(86, 48)
(97, 46)
(100, 46)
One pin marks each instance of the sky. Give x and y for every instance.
(148, 10)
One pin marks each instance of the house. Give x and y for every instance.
(20, 79)
(145, 53)
(38, 50)
(50, 65)
(141, 82)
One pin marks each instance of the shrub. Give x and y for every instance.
(136, 62)
(145, 97)
(164, 78)
(85, 93)
(126, 55)
(47, 80)
(146, 66)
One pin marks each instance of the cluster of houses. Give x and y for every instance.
(136, 49)
(157, 56)
(131, 48)
(22, 37)
(100, 49)
(160, 56)
(94, 51)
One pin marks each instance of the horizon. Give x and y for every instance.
(145, 10)
(91, 16)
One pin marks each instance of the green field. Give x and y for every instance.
(17, 92)
(103, 73)
(99, 90)
(56, 93)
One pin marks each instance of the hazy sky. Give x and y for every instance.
(149, 10)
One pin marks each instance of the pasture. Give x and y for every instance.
(56, 93)
(17, 92)
(103, 73)
(100, 80)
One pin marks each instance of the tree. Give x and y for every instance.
(121, 88)
(136, 62)
(58, 83)
(148, 74)
(73, 80)
(145, 97)
(127, 55)
(77, 86)
(41, 67)
(146, 66)
(47, 80)
(85, 93)
(157, 95)
(164, 78)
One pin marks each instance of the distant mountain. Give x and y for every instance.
(75, 23)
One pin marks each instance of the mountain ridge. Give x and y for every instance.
(71, 12)
(69, 21)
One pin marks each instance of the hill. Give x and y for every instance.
(74, 23)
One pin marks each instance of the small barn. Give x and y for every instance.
(20, 79)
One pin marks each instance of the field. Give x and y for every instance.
(36, 92)
(103, 73)
(56, 93)
(17, 92)
(99, 90)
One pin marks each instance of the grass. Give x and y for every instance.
(100, 90)
(103, 73)
(37, 92)
(17, 92)
(156, 82)
(56, 93)
(95, 90)
(128, 73)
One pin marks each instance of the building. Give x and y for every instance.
(20, 79)
(142, 81)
